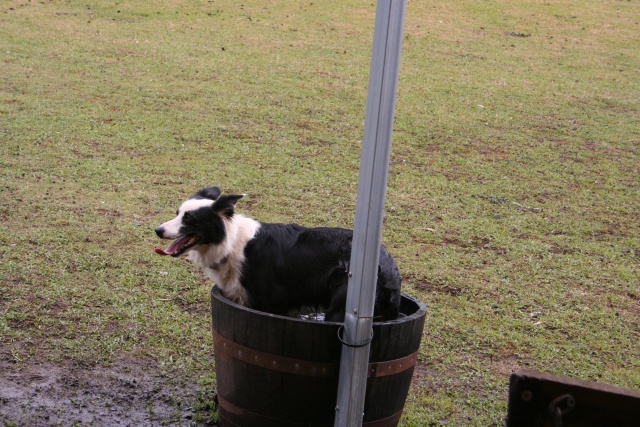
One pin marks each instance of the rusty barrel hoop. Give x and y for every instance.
(281, 371)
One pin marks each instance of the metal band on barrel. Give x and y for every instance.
(305, 367)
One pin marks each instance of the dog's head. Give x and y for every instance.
(200, 220)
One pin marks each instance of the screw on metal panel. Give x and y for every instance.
(560, 406)
(526, 395)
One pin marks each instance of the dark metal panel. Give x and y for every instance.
(539, 399)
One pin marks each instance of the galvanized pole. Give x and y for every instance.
(372, 187)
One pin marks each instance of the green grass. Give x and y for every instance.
(513, 190)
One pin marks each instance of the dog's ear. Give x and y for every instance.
(226, 204)
(208, 193)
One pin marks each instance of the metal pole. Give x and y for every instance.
(372, 188)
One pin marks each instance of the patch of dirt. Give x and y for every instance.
(426, 286)
(129, 393)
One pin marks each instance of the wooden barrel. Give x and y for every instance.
(281, 371)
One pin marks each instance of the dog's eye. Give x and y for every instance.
(187, 216)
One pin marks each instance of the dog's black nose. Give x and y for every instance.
(160, 231)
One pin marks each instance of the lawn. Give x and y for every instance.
(512, 206)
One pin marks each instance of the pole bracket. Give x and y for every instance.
(341, 333)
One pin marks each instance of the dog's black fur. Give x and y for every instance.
(274, 268)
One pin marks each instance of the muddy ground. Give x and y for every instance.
(128, 393)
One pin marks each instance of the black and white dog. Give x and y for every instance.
(274, 268)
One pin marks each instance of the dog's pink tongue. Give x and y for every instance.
(174, 247)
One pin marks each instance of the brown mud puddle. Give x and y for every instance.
(128, 393)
